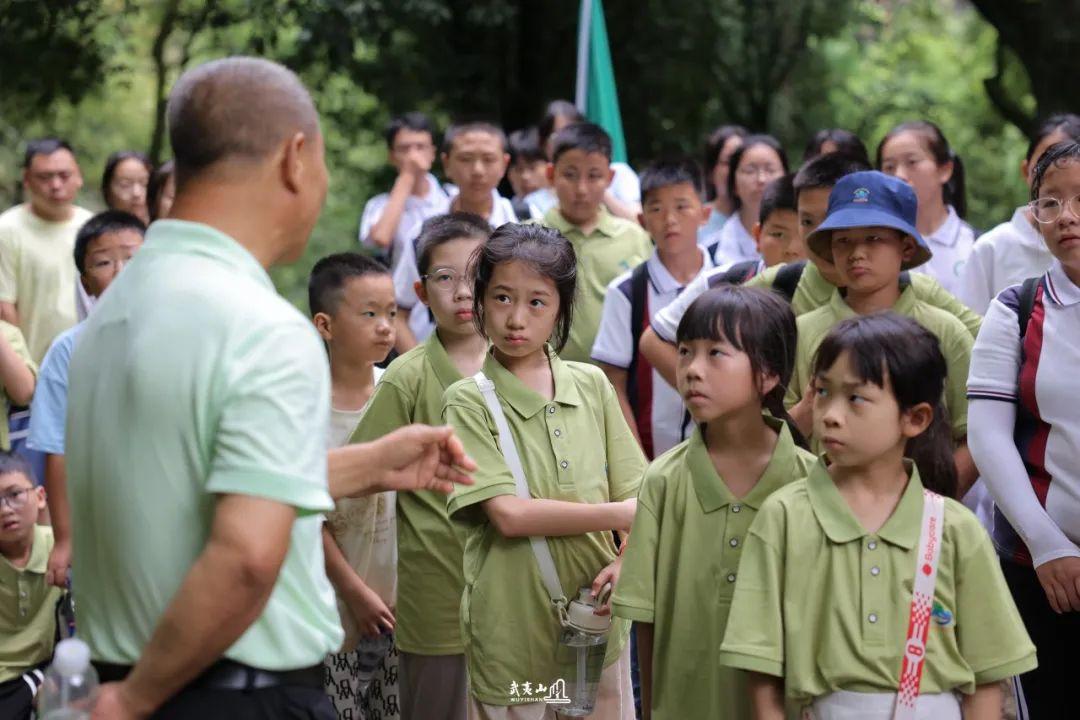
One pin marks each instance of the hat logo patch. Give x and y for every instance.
(861, 195)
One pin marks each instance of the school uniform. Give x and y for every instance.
(709, 233)
(735, 243)
(417, 210)
(406, 273)
(956, 343)
(576, 447)
(658, 407)
(951, 245)
(680, 567)
(1005, 256)
(825, 605)
(613, 247)
(430, 549)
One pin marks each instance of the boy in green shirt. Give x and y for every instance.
(27, 602)
(433, 680)
(606, 246)
(870, 234)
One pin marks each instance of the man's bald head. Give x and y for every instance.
(238, 107)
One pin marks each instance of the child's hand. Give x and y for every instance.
(59, 564)
(372, 615)
(609, 575)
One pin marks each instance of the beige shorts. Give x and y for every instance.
(614, 700)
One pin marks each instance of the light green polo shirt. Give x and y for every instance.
(27, 609)
(14, 338)
(824, 604)
(956, 343)
(192, 379)
(430, 548)
(614, 247)
(575, 448)
(680, 567)
(814, 290)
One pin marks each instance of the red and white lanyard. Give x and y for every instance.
(922, 604)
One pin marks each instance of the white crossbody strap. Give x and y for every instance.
(509, 449)
(922, 604)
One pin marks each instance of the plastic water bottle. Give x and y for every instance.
(586, 635)
(70, 684)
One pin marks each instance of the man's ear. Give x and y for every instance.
(324, 325)
(292, 163)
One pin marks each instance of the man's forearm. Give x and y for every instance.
(56, 497)
(349, 471)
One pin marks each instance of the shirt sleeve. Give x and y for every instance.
(665, 322)
(995, 359)
(275, 415)
(390, 408)
(372, 212)
(754, 639)
(614, 339)
(492, 477)
(48, 411)
(405, 276)
(930, 291)
(625, 185)
(976, 289)
(957, 351)
(9, 261)
(625, 461)
(989, 630)
(635, 593)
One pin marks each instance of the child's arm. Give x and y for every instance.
(663, 356)
(966, 472)
(519, 517)
(382, 232)
(367, 608)
(766, 695)
(985, 703)
(16, 375)
(644, 658)
(618, 378)
(617, 207)
(60, 516)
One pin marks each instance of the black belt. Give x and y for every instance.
(230, 675)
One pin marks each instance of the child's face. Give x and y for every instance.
(870, 258)
(476, 163)
(858, 422)
(778, 239)
(1062, 236)
(127, 189)
(715, 379)
(20, 503)
(672, 216)
(723, 165)
(106, 256)
(412, 150)
(527, 176)
(580, 179)
(447, 288)
(521, 308)
(907, 157)
(813, 204)
(361, 329)
(758, 167)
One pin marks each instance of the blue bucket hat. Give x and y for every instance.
(870, 199)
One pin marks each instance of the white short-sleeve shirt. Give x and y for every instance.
(417, 210)
(659, 411)
(665, 321)
(735, 244)
(951, 245)
(406, 273)
(1005, 256)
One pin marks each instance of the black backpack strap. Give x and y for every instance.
(787, 279)
(639, 306)
(1028, 290)
(737, 274)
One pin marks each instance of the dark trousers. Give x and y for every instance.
(16, 699)
(1050, 689)
(276, 703)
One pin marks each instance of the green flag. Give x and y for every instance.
(596, 96)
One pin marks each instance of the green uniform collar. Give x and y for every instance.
(905, 304)
(445, 371)
(606, 225)
(713, 492)
(525, 401)
(840, 524)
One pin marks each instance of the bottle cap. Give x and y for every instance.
(72, 657)
(580, 613)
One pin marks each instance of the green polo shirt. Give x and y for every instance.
(614, 247)
(14, 338)
(814, 290)
(824, 604)
(680, 567)
(575, 448)
(430, 550)
(27, 609)
(956, 343)
(193, 379)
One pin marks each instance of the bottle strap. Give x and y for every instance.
(922, 603)
(540, 548)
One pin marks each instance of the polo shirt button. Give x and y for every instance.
(564, 464)
(551, 410)
(871, 545)
(22, 593)
(731, 578)
(734, 542)
(875, 571)
(872, 618)
(736, 508)
(558, 433)
(22, 612)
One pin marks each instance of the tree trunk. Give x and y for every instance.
(161, 72)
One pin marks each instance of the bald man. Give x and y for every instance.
(199, 408)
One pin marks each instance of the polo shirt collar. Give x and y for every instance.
(663, 281)
(525, 401)
(445, 371)
(1061, 289)
(181, 237)
(841, 526)
(606, 224)
(713, 493)
(905, 304)
(1025, 231)
(39, 554)
(435, 196)
(949, 231)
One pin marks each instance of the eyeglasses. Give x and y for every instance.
(754, 171)
(1048, 209)
(15, 499)
(444, 279)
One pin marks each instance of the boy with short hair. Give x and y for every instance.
(527, 172)
(431, 579)
(672, 212)
(870, 233)
(103, 246)
(475, 159)
(606, 246)
(27, 602)
(351, 297)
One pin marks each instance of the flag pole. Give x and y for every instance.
(581, 94)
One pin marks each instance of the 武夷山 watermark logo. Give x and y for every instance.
(527, 692)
